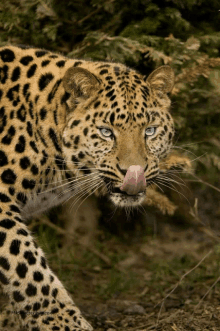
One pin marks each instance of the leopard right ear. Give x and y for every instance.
(80, 84)
(162, 79)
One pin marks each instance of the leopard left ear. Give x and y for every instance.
(80, 82)
(162, 79)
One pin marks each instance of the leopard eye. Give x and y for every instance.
(106, 132)
(150, 131)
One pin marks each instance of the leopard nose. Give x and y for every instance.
(134, 180)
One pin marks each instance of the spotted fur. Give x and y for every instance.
(52, 114)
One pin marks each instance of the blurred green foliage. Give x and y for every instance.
(142, 34)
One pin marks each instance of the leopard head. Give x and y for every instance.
(118, 128)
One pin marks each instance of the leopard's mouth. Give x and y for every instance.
(121, 198)
(118, 191)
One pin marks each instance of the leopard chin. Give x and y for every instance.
(124, 200)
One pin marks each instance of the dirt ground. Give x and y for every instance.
(146, 273)
(161, 273)
(152, 294)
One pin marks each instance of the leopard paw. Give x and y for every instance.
(61, 318)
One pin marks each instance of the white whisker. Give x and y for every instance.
(183, 149)
(173, 189)
(68, 182)
(99, 184)
(158, 187)
(195, 143)
(167, 179)
(83, 184)
(113, 213)
(173, 175)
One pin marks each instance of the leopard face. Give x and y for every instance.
(117, 119)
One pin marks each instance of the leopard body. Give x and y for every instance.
(68, 127)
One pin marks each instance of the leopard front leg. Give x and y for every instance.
(36, 295)
(160, 201)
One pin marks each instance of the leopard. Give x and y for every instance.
(69, 127)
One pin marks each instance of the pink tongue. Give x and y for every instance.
(134, 181)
